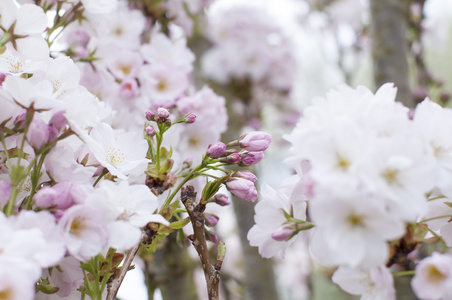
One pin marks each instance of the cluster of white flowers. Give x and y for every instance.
(248, 46)
(369, 167)
(66, 122)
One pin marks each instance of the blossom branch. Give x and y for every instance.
(198, 238)
(113, 287)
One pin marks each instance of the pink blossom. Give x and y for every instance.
(282, 233)
(242, 188)
(255, 141)
(57, 196)
(246, 175)
(221, 199)
(163, 112)
(190, 118)
(38, 133)
(58, 120)
(216, 150)
(433, 277)
(128, 88)
(251, 158)
(85, 234)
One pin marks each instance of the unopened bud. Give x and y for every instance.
(210, 236)
(150, 131)
(187, 163)
(234, 158)
(58, 120)
(190, 118)
(221, 199)
(255, 141)
(283, 233)
(216, 150)
(242, 188)
(163, 112)
(150, 116)
(251, 158)
(211, 220)
(246, 175)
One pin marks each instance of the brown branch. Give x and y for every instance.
(113, 287)
(198, 238)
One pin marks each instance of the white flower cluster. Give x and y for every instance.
(65, 124)
(369, 167)
(248, 46)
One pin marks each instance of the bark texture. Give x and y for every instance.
(389, 33)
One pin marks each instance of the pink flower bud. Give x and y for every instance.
(58, 120)
(53, 133)
(216, 150)
(163, 112)
(57, 196)
(20, 120)
(242, 188)
(221, 199)
(246, 175)
(129, 88)
(231, 159)
(211, 220)
(38, 133)
(5, 192)
(251, 158)
(150, 131)
(190, 118)
(210, 236)
(255, 141)
(282, 233)
(150, 116)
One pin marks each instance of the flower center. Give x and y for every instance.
(161, 86)
(6, 294)
(125, 70)
(355, 220)
(342, 163)
(115, 156)
(434, 275)
(77, 226)
(390, 175)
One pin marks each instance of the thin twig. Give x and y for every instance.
(198, 238)
(113, 287)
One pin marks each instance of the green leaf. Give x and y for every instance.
(180, 224)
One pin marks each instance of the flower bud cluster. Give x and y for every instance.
(253, 145)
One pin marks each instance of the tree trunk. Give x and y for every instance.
(259, 276)
(170, 269)
(389, 33)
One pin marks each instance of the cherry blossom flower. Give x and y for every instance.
(269, 217)
(85, 235)
(372, 284)
(433, 277)
(122, 154)
(126, 208)
(28, 20)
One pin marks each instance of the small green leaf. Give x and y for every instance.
(180, 224)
